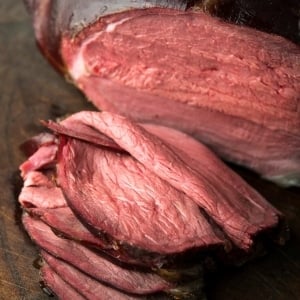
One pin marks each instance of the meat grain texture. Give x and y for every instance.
(234, 88)
(129, 209)
(123, 204)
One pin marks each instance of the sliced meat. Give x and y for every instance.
(36, 178)
(126, 196)
(212, 165)
(241, 216)
(120, 195)
(53, 210)
(83, 132)
(85, 285)
(57, 285)
(63, 221)
(65, 224)
(48, 197)
(30, 146)
(44, 157)
(39, 189)
(192, 230)
(42, 199)
(91, 263)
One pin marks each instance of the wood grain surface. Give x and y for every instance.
(29, 91)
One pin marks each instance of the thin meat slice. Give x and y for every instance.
(65, 224)
(118, 195)
(232, 186)
(63, 221)
(42, 199)
(192, 152)
(44, 157)
(62, 289)
(91, 263)
(53, 210)
(83, 132)
(42, 196)
(41, 152)
(30, 146)
(39, 188)
(37, 178)
(90, 288)
(38, 172)
(240, 216)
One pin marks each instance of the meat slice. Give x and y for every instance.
(42, 199)
(192, 231)
(94, 265)
(42, 158)
(65, 224)
(63, 221)
(30, 146)
(42, 196)
(88, 287)
(41, 152)
(236, 208)
(38, 172)
(212, 165)
(57, 285)
(125, 196)
(118, 196)
(36, 178)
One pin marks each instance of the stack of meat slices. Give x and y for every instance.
(123, 210)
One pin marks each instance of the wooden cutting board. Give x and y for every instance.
(29, 91)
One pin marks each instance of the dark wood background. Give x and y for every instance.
(29, 91)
